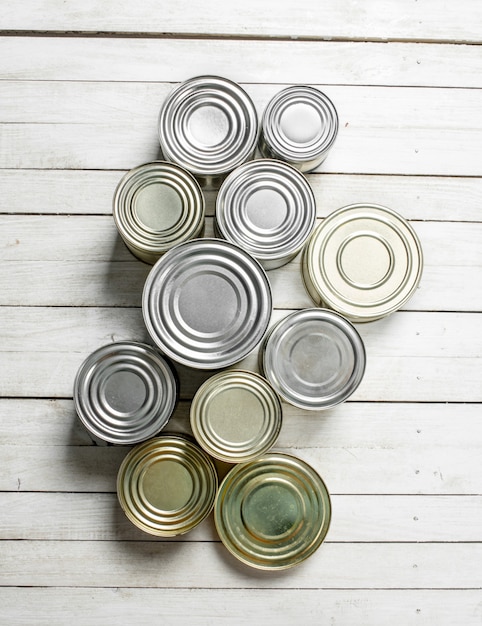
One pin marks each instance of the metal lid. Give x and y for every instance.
(364, 260)
(125, 392)
(268, 208)
(299, 125)
(272, 513)
(156, 206)
(314, 358)
(207, 303)
(209, 125)
(236, 416)
(167, 486)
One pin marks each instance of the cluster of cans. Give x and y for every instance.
(207, 303)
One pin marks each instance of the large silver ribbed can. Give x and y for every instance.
(268, 208)
(207, 303)
(364, 261)
(157, 206)
(125, 392)
(314, 358)
(209, 126)
(299, 126)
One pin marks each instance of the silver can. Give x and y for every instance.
(207, 303)
(125, 392)
(209, 126)
(299, 126)
(156, 206)
(268, 208)
(314, 358)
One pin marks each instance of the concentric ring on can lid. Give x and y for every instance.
(207, 303)
(208, 125)
(272, 513)
(364, 261)
(314, 358)
(125, 392)
(299, 125)
(167, 485)
(268, 208)
(236, 416)
(156, 206)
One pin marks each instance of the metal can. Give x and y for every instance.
(268, 208)
(364, 261)
(209, 126)
(125, 392)
(272, 513)
(299, 126)
(156, 206)
(236, 416)
(166, 486)
(207, 303)
(314, 358)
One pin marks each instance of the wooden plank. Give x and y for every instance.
(346, 19)
(90, 192)
(203, 565)
(328, 62)
(97, 517)
(114, 126)
(215, 607)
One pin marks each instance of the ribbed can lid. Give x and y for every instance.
(268, 208)
(207, 303)
(236, 416)
(314, 358)
(208, 125)
(364, 261)
(125, 392)
(167, 485)
(272, 513)
(156, 206)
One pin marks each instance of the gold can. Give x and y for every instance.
(167, 485)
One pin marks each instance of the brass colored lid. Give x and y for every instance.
(364, 261)
(236, 416)
(167, 485)
(272, 513)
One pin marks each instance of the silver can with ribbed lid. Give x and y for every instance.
(207, 303)
(209, 126)
(125, 392)
(268, 208)
(156, 206)
(299, 126)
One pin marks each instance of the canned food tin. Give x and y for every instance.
(268, 208)
(125, 392)
(209, 126)
(156, 206)
(314, 358)
(166, 486)
(364, 261)
(236, 416)
(299, 125)
(272, 513)
(207, 303)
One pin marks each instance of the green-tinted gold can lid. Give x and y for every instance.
(236, 416)
(364, 261)
(167, 485)
(272, 513)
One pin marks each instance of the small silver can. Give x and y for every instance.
(207, 303)
(299, 126)
(209, 126)
(314, 358)
(268, 208)
(125, 392)
(156, 206)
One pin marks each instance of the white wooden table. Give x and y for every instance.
(80, 90)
